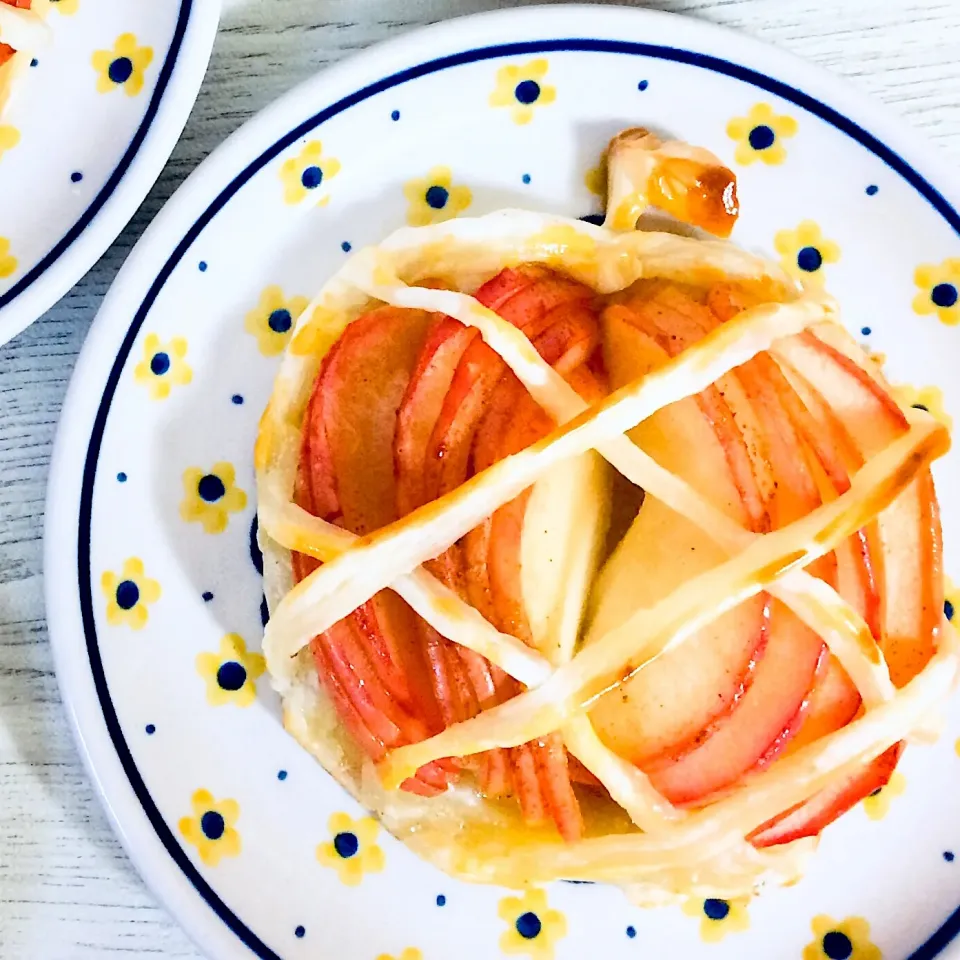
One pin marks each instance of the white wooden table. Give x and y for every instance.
(66, 888)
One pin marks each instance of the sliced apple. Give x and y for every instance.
(428, 385)
(666, 705)
(833, 702)
(526, 295)
(419, 411)
(369, 662)
(529, 298)
(766, 714)
(841, 425)
(554, 773)
(856, 579)
(506, 397)
(447, 460)
(664, 313)
(670, 703)
(779, 408)
(570, 339)
(364, 383)
(511, 422)
(459, 384)
(810, 818)
(672, 433)
(747, 717)
(563, 533)
(506, 564)
(557, 314)
(908, 531)
(537, 554)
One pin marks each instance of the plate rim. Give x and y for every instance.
(103, 219)
(197, 201)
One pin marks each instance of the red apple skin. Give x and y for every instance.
(834, 700)
(830, 447)
(420, 407)
(565, 336)
(858, 558)
(423, 400)
(810, 818)
(526, 294)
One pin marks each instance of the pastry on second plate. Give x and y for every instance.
(22, 33)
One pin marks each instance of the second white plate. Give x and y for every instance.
(92, 121)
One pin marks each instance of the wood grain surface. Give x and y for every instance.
(66, 888)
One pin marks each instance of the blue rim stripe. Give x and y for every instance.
(951, 927)
(119, 173)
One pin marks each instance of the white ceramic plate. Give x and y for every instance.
(222, 812)
(90, 126)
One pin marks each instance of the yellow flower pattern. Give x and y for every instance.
(877, 805)
(272, 320)
(411, 953)
(212, 828)
(231, 673)
(122, 67)
(306, 173)
(805, 251)
(434, 198)
(521, 88)
(352, 849)
(939, 285)
(8, 262)
(718, 917)
(533, 928)
(129, 594)
(163, 366)
(65, 7)
(209, 497)
(9, 138)
(847, 940)
(929, 399)
(760, 135)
